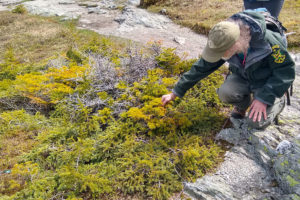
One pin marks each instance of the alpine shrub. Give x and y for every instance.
(107, 133)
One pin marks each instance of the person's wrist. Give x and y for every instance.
(173, 96)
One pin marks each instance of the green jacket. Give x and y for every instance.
(269, 69)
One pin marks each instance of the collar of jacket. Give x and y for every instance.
(260, 48)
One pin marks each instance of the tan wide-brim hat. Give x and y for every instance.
(220, 38)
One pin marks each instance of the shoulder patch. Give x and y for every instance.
(277, 55)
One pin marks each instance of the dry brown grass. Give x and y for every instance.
(290, 16)
(201, 15)
(33, 38)
(36, 38)
(12, 146)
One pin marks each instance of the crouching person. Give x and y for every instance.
(261, 68)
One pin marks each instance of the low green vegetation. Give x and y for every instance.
(20, 9)
(292, 181)
(81, 115)
(200, 16)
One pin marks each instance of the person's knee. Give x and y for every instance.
(224, 94)
(228, 95)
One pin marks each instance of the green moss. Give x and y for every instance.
(284, 163)
(74, 55)
(292, 181)
(20, 9)
(266, 149)
(295, 197)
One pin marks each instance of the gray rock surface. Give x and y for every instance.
(209, 187)
(67, 2)
(134, 2)
(163, 11)
(121, 19)
(139, 17)
(10, 2)
(261, 164)
(3, 8)
(138, 25)
(284, 147)
(97, 10)
(180, 40)
(287, 169)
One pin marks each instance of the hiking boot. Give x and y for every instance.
(238, 113)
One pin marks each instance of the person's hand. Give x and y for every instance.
(167, 98)
(257, 110)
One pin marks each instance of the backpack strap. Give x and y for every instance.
(273, 23)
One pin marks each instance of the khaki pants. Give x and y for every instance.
(236, 91)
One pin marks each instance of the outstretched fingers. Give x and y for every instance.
(258, 110)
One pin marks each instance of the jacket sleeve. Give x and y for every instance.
(283, 75)
(199, 70)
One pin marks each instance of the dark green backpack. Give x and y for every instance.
(273, 23)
